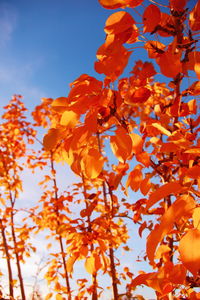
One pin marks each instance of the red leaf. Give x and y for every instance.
(151, 17)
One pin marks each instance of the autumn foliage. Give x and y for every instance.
(131, 136)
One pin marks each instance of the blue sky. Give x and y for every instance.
(45, 45)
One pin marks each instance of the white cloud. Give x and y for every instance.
(8, 22)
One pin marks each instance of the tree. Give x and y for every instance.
(151, 122)
(128, 136)
(15, 133)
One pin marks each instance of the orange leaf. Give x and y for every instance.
(113, 4)
(92, 163)
(177, 274)
(138, 95)
(194, 17)
(118, 22)
(182, 206)
(145, 186)
(141, 228)
(163, 191)
(121, 144)
(48, 296)
(60, 104)
(197, 69)
(141, 279)
(137, 143)
(143, 158)
(135, 179)
(69, 118)
(169, 147)
(196, 218)
(151, 17)
(193, 172)
(51, 138)
(112, 61)
(189, 250)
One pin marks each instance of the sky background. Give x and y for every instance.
(45, 45)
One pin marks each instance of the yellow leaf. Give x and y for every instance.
(196, 218)
(69, 118)
(70, 263)
(161, 129)
(193, 151)
(93, 263)
(59, 297)
(90, 264)
(189, 250)
(48, 296)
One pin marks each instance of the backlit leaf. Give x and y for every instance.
(135, 179)
(113, 4)
(163, 191)
(196, 218)
(161, 129)
(118, 22)
(92, 163)
(189, 250)
(70, 263)
(182, 206)
(145, 186)
(137, 143)
(194, 17)
(121, 144)
(93, 263)
(69, 118)
(48, 296)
